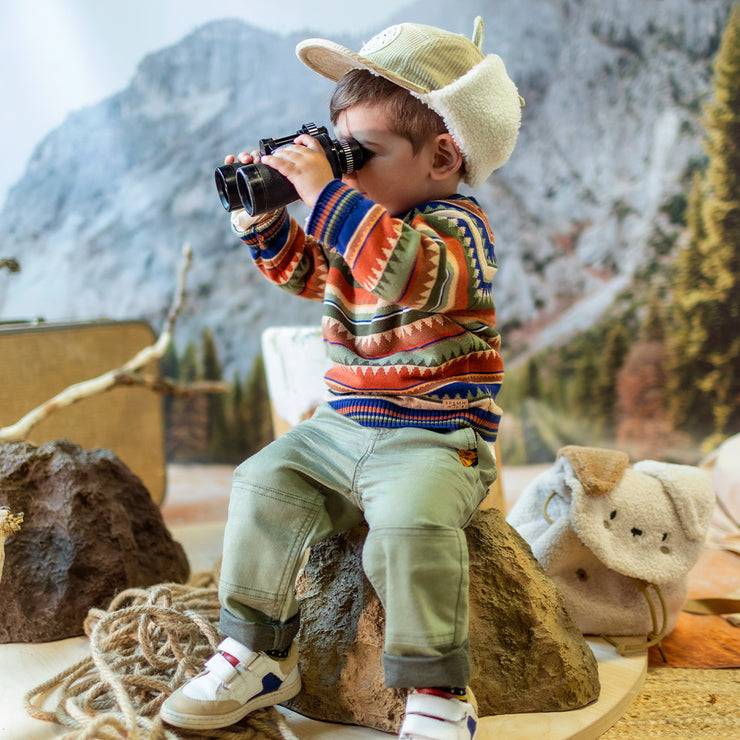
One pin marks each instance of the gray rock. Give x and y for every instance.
(528, 654)
(90, 529)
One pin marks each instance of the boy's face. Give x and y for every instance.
(394, 177)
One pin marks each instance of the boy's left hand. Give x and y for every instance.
(304, 163)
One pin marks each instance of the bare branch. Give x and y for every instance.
(105, 382)
(169, 387)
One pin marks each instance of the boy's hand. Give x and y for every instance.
(243, 157)
(304, 163)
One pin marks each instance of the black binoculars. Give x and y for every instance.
(259, 188)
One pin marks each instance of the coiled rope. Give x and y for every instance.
(146, 644)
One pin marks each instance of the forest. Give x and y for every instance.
(661, 377)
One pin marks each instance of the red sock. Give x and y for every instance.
(444, 693)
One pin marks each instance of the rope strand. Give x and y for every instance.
(654, 637)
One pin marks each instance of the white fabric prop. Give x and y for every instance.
(608, 533)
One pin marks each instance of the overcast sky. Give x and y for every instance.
(61, 55)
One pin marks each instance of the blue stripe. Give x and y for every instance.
(270, 683)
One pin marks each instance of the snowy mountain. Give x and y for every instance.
(610, 133)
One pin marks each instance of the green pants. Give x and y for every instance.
(417, 489)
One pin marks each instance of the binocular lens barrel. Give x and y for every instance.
(258, 188)
(227, 187)
(262, 189)
(255, 187)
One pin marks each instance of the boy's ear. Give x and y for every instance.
(447, 158)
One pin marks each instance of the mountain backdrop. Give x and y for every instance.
(593, 194)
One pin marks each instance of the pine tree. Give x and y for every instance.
(257, 408)
(187, 441)
(584, 388)
(653, 326)
(169, 364)
(605, 390)
(237, 443)
(689, 406)
(169, 368)
(216, 432)
(531, 382)
(189, 371)
(704, 382)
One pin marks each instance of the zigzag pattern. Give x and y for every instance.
(408, 312)
(472, 229)
(411, 337)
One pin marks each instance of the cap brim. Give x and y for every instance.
(333, 61)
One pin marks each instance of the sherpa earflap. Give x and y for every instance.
(472, 92)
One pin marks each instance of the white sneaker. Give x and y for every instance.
(430, 717)
(224, 693)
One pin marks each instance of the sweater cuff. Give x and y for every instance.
(337, 214)
(242, 223)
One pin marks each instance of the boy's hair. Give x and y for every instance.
(408, 116)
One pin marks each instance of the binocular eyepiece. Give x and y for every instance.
(259, 188)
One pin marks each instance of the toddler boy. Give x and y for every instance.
(404, 266)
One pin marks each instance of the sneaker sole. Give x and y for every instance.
(215, 721)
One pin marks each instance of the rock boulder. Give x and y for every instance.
(527, 652)
(90, 529)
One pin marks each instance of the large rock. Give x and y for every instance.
(90, 529)
(528, 654)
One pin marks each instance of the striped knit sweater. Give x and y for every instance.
(409, 318)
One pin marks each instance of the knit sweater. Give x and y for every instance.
(409, 318)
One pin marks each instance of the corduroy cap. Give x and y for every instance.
(472, 92)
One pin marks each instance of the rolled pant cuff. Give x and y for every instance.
(257, 636)
(421, 671)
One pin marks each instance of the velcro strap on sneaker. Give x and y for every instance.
(419, 727)
(221, 668)
(241, 652)
(451, 710)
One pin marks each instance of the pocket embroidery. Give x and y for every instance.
(469, 458)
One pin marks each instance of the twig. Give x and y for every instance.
(74, 393)
(11, 264)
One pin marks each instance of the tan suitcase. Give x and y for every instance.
(38, 360)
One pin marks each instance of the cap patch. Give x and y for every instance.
(380, 40)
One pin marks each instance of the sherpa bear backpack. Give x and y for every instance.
(619, 541)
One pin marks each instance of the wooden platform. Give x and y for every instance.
(26, 666)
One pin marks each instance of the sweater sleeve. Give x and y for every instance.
(285, 254)
(438, 258)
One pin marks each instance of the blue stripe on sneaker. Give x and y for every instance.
(270, 683)
(472, 724)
